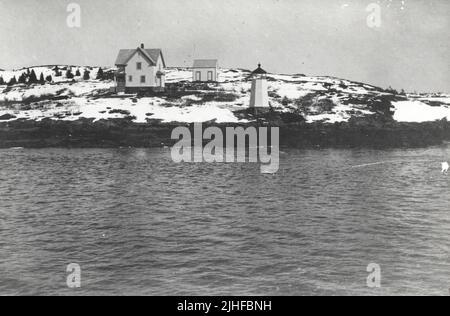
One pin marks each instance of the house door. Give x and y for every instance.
(198, 76)
(210, 76)
(120, 82)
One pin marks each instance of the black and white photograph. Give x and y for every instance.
(224, 154)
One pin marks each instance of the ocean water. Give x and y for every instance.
(139, 224)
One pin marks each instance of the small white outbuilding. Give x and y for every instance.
(205, 70)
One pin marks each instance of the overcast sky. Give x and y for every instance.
(316, 37)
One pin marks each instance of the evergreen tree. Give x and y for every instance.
(69, 74)
(49, 79)
(100, 75)
(2, 82)
(13, 81)
(33, 78)
(41, 78)
(78, 73)
(86, 75)
(23, 78)
(58, 72)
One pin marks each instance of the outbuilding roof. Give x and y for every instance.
(205, 63)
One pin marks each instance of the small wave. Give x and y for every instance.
(372, 164)
(391, 162)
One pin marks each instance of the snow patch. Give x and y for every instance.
(416, 111)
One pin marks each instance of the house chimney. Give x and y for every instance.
(142, 46)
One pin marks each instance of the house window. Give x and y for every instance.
(142, 79)
(138, 66)
(210, 76)
(198, 76)
(130, 78)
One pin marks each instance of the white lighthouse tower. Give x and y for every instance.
(259, 97)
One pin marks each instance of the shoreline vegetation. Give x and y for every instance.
(115, 133)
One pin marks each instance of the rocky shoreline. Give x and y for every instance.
(84, 133)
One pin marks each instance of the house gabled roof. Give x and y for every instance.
(205, 63)
(151, 55)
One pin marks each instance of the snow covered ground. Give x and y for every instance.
(417, 111)
(72, 99)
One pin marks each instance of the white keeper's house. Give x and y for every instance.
(205, 70)
(140, 70)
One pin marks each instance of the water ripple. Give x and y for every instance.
(139, 224)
